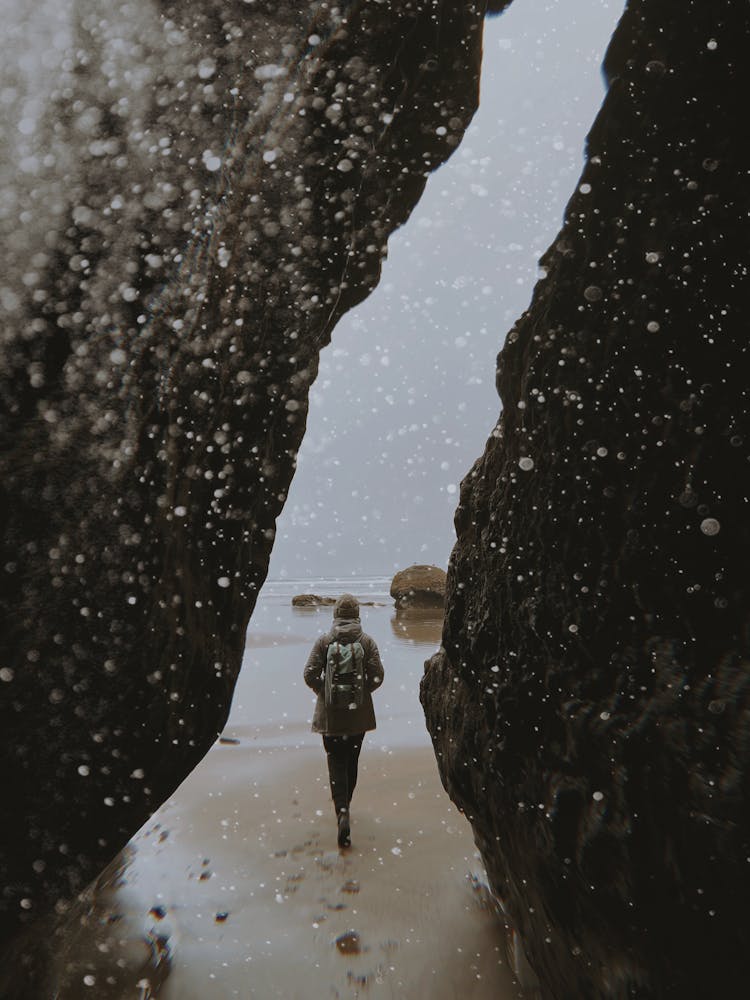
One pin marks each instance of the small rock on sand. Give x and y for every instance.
(349, 943)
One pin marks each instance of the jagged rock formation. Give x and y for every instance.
(419, 586)
(589, 708)
(214, 188)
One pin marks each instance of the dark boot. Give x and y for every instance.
(344, 836)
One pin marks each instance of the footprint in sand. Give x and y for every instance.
(330, 861)
(293, 882)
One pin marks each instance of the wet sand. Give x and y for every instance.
(255, 899)
(240, 876)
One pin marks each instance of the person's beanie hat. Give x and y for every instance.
(346, 607)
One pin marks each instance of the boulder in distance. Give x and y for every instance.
(419, 586)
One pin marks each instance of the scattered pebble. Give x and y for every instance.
(349, 943)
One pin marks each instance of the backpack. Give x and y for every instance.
(344, 686)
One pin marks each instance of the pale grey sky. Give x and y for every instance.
(405, 398)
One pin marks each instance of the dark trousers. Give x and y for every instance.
(343, 756)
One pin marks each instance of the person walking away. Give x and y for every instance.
(343, 670)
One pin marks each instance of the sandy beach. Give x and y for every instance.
(239, 877)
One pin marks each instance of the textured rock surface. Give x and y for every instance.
(589, 708)
(419, 586)
(311, 600)
(214, 186)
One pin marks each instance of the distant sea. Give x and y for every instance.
(371, 587)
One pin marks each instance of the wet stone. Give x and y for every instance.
(349, 943)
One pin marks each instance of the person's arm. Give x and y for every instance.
(315, 668)
(373, 667)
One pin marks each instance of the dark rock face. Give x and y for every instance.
(96, 949)
(419, 586)
(226, 179)
(589, 708)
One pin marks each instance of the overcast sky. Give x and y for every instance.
(405, 399)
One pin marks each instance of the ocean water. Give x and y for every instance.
(273, 706)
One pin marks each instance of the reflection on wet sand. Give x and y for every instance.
(310, 610)
(267, 640)
(418, 626)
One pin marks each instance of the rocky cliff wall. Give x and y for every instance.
(213, 186)
(589, 707)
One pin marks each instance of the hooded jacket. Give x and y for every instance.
(343, 721)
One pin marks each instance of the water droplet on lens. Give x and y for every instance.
(710, 526)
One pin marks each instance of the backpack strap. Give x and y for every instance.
(329, 672)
